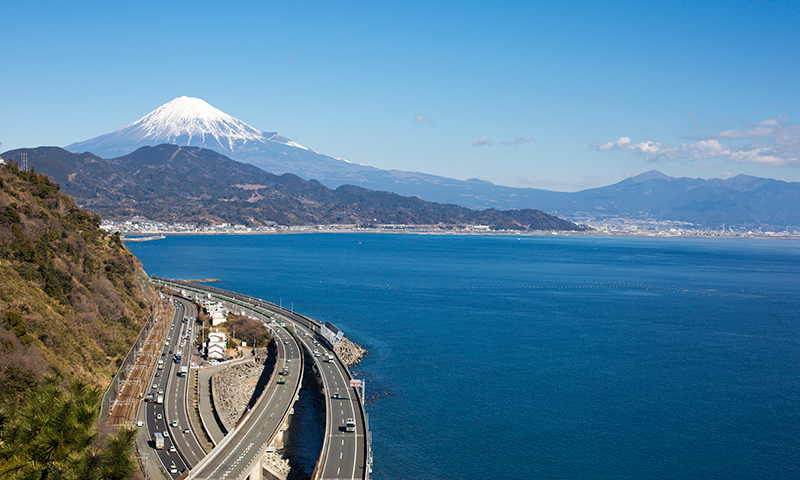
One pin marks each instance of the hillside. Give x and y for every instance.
(72, 297)
(194, 185)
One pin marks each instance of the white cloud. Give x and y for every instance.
(773, 143)
(652, 151)
(488, 142)
(516, 141)
(483, 142)
(419, 118)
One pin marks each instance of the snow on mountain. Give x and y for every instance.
(184, 121)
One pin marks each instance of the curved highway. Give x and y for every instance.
(233, 457)
(345, 455)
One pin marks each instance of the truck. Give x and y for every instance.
(158, 440)
(178, 356)
(160, 399)
(184, 370)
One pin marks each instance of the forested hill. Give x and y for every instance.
(194, 185)
(72, 297)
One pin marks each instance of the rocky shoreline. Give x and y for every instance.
(349, 352)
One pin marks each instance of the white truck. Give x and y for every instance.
(160, 399)
(158, 440)
(184, 370)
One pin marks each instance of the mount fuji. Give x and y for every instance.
(188, 122)
(192, 122)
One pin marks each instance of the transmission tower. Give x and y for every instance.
(25, 161)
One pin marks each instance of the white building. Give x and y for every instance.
(217, 313)
(216, 346)
(331, 333)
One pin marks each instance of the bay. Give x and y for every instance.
(545, 357)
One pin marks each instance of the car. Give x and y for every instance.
(158, 417)
(336, 395)
(172, 448)
(158, 374)
(286, 342)
(174, 423)
(173, 469)
(140, 423)
(155, 386)
(186, 430)
(161, 391)
(166, 434)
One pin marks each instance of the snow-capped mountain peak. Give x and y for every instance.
(193, 117)
(184, 121)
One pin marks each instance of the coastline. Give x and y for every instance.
(160, 234)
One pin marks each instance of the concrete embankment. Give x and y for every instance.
(237, 387)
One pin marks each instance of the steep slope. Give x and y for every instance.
(72, 298)
(194, 185)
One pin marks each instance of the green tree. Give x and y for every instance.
(49, 433)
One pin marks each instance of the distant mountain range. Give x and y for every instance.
(200, 186)
(742, 201)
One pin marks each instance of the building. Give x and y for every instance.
(332, 334)
(217, 313)
(216, 345)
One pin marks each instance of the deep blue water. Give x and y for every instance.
(540, 357)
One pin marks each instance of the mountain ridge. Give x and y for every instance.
(194, 185)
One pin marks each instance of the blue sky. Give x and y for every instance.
(554, 95)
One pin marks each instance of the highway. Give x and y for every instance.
(232, 458)
(177, 398)
(155, 413)
(345, 455)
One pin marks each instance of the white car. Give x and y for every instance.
(158, 417)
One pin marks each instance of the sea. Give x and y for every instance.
(545, 357)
